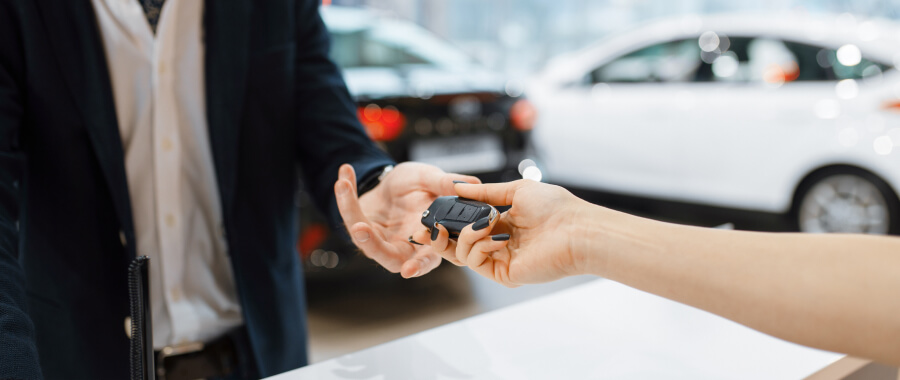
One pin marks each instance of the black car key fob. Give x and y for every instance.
(455, 213)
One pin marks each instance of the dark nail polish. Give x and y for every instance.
(413, 241)
(480, 224)
(500, 237)
(434, 232)
(458, 181)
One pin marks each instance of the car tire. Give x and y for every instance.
(846, 200)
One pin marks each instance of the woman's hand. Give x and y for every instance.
(530, 243)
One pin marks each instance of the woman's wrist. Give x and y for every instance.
(586, 238)
(606, 236)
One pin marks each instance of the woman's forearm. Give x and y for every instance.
(834, 292)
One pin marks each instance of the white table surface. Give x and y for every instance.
(598, 330)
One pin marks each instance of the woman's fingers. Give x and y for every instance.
(473, 233)
(498, 194)
(439, 238)
(489, 257)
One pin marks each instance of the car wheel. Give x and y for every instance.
(847, 202)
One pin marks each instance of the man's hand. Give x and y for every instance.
(383, 219)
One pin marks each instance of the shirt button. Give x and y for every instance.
(175, 294)
(170, 220)
(128, 327)
(122, 238)
(167, 144)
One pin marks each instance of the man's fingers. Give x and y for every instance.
(498, 194)
(347, 200)
(347, 172)
(421, 237)
(423, 262)
(376, 248)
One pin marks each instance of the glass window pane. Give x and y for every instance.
(674, 61)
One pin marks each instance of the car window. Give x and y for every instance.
(358, 49)
(768, 60)
(836, 68)
(748, 60)
(674, 61)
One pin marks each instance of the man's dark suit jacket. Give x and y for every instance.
(274, 102)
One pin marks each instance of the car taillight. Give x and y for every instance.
(311, 238)
(522, 115)
(382, 124)
(892, 105)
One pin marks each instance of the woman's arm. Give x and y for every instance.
(834, 292)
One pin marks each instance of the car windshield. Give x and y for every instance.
(360, 39)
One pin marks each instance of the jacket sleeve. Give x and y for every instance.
(329, 132)
(18, 352)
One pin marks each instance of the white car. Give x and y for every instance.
(791, 115)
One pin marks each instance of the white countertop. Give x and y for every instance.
(598, 330)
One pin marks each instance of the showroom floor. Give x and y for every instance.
(346, 319)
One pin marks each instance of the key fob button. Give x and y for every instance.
(456, 213)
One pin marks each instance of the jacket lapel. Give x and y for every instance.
(227, 34)
(75, 39)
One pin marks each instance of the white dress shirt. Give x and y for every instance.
(159, 91)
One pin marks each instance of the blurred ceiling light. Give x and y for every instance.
(846, 89)
(872, 73)
(724, 43)
(709, 41)
(848, 137)
(525, 164)
(726, 65)
(883, 145)
(894, 134)
(823, 58)
(849, 55)
(514, 88)
(710, 56)
(867, 31)
(827, 109)
(532, 173)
